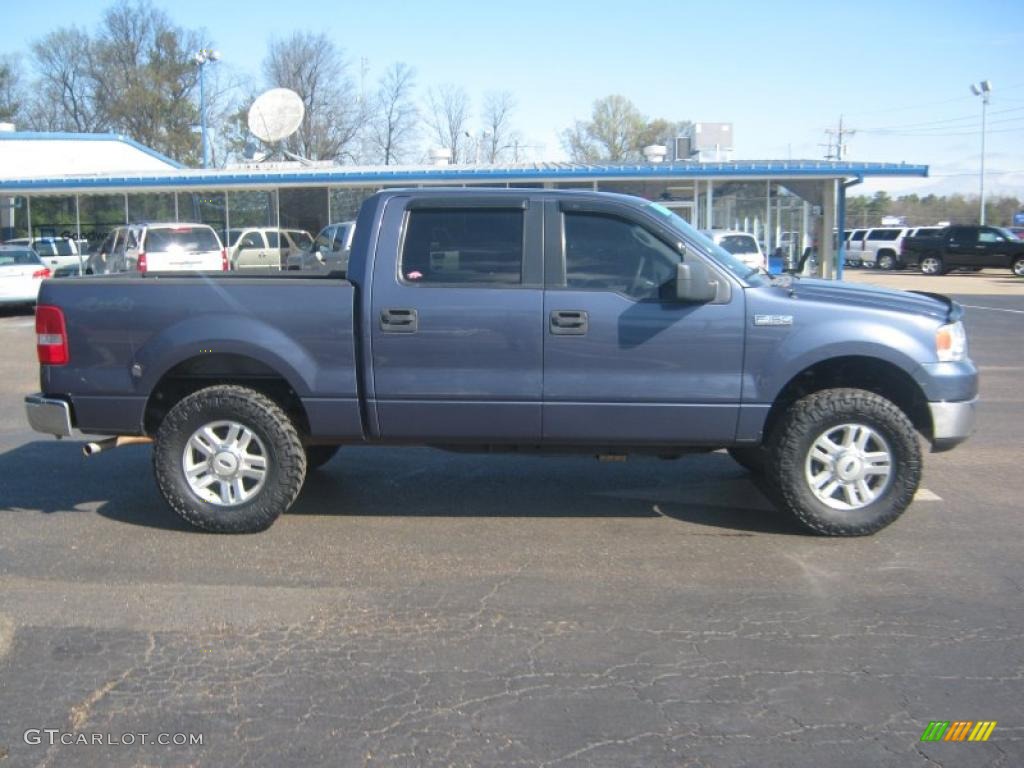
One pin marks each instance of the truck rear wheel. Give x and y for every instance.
(847, 462)
(887, 261)
(228, 459)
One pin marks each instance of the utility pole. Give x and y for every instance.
(840, 146)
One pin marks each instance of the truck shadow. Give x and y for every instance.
(708, 491)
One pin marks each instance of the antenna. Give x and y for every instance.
(276, 114)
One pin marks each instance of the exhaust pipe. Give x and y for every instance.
(91, 449)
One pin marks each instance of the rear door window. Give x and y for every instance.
(481, 246)
(273, 238)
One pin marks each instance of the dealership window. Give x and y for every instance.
(482, 246)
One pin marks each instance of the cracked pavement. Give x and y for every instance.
(419, 608)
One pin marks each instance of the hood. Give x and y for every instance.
(851, 294)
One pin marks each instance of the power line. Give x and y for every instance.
(840, 146)
(939, 122)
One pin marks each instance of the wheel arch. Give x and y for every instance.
(210, 369)
(873, 374)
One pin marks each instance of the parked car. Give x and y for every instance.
(475, 320)
(854, 241)
(167, 247)
(265, 247)
(740, 244)
(21, 274)
(330, 250)
(965, 247)
(60, 254)
(880, 247)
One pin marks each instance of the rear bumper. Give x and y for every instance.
(952, 423)
(48, 415)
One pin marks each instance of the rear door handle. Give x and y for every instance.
(399, 320)
(569, 322)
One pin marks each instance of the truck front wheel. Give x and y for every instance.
(228, 459)
(847, 462)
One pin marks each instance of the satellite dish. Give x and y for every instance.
(276, 114)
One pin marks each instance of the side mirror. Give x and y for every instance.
(694, 283)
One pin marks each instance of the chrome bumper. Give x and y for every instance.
(48, 415)
(952, 423)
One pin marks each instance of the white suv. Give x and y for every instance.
(880, 247)
(160, 248)
(743, 245)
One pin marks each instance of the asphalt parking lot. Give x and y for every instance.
(428, 609)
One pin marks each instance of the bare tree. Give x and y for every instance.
(499, 136)
(10, 89)
(65, 86)
(145, 77)
(394, 124)
(449, 113)
(315, 68)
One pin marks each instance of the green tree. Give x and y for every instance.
(617, 132)
(10, 90)
(146, 79)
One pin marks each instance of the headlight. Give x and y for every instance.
(951, 343)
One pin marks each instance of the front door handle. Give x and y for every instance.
(569, 322)
(399, 320)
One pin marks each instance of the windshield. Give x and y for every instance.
(720, 255)
(1006, 233)
(193, 239)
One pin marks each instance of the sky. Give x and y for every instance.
(899, 73)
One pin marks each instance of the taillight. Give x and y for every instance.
(140, 265)
(224, 259)
(41, 274)
(51, 336)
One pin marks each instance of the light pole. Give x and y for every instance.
(983, 89)
(202, 58)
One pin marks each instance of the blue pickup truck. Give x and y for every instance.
(509, 320)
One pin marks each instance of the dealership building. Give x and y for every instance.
(83, 185)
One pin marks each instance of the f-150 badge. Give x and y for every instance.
(773, 319)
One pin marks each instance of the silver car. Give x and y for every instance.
(330, 250)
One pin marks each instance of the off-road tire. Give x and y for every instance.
(286, 459)
(754, 458)
(318, 455)
(805, 421)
